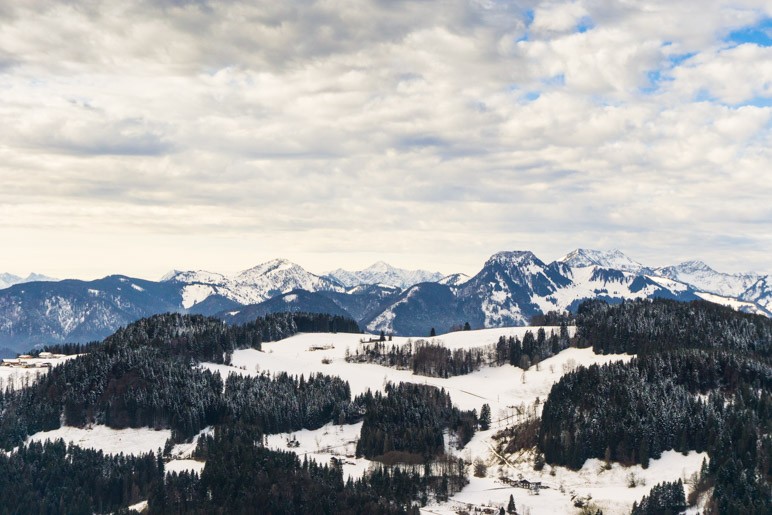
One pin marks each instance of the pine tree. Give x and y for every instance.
(485, 417)
(511, 506)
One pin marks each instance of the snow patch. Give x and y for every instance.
(192, 294)
(184, 466)
(132, 441)
(325, 443)
(739, 305)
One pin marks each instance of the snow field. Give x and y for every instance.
(325, 443)
(184, 466)
(506, 389)
(108, 440)
(130, 441)
(20, 377)
(513, 395)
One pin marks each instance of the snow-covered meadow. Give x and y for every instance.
(108, 440)
(512, 394)
(20, 376)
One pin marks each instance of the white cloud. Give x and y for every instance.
(334, 131)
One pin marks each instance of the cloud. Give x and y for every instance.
(301, 128)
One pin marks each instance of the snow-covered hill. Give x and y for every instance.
(384, 273)
(513, 395)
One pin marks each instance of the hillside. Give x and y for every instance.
(663, 408)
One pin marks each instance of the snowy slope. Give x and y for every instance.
(760, 293)
(454, 279)
(251, 286)
(133, 441)
(737, 305)
(383, 273)
(512, 394)
(613, 259)
(703, 278)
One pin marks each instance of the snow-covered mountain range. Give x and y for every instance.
(383, 273)
(7, 280)
(251, 286)
(510, 288)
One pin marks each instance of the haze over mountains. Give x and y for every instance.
(7, 279)
(510, 288)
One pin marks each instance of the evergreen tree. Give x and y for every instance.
(485, 417)
(511, 506)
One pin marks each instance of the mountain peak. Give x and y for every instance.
(170, 275)
(614, 258)
(7, 280)
(702, 277)
(274, 265)
(383, 273)
(512, 256)
(694, 265)
(379, 266)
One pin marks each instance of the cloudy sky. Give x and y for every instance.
(136, 137)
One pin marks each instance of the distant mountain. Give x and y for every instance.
(614, 260)
(454, 279)
(251, 286)
(8, 280)
(514, 286)
(511, 287)
(364, 301)
(385, 274)
(701, 277)
(294, 302)
(423, 307)
(78, 311)
(760, 293)
(508, 284)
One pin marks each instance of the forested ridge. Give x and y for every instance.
(58, 478)
(410, 419)
(146, 375)
(645, 326)
(702, 380)
(142, 376)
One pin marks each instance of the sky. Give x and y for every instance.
(137, 137)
